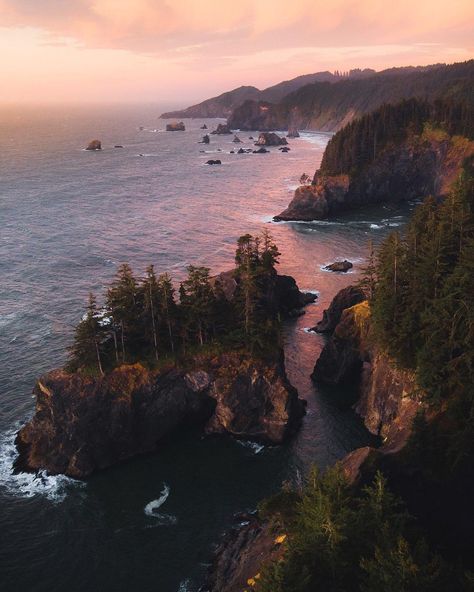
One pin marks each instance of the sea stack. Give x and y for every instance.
(175, 127)
(94, 145)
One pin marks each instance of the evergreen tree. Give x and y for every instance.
(86, 350)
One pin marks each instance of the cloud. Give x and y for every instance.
(244, 26)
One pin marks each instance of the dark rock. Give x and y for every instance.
(205, 139)
(118, 146)
(222, 129)
(237, 140)
(250, 137)
(270, 139)
(284, 149)
(292, 133)
(204, 126)
(82, 424)
(214, 161)
(261, 150)
(345, 298)
(241, 151)
(94, 145)
(175, 127)
(339, 266)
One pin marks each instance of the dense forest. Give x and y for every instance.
(359, 143)
(144, 320)
(409, 528)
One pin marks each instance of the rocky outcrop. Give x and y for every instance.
(82, 424)
(222, 129)
(316, 201)
(421, 166)
(94, 145)
(339, 266)
(345, 298)
(242, 554)
(388, 397)
(270, 139)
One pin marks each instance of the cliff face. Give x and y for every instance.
(82, 424)
(387, 396)
(421, 166)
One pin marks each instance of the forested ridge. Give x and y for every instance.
(410, 528)
(360, 142)
(143, 319)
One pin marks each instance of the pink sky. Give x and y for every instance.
(188, 50)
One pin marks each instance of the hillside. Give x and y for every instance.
(328, 107)
(224, 104)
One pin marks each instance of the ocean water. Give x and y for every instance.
(68, 217)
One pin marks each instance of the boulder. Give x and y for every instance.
(118, 146)
(205, 139)
(204, 127)
(94, 145)
(270, 139)
(261, 150)
(214, 161)
(284, 149)
(222, 129)
(237, 140)
(241, 151)
(175, 127)
(340, 266)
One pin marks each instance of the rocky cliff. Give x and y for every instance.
(423, 165)
(82, 423)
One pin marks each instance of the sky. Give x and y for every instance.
(62, 51)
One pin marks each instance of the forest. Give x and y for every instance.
(359, 143)
(410, 527)
(146, 319)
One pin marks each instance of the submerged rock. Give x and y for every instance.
(339, 266)
(261, 150)
(94, 145)
(175, 127)
(204, 127)
(214, 161)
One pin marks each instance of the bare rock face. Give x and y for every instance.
(82, 424)
(270, 139)
(345, 298)
(316, 201)
(222, 129)
(94, 145)
(292, 133)
(388, 397)
(175, 127)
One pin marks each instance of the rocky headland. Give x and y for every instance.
(422, 165)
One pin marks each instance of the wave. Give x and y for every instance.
(151, 507)
(53, 487)
(184, 586)
(253, 446)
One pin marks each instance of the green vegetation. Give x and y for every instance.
(141, 319)
(359, 143)
(339, 540)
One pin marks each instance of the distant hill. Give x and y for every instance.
(224, 104)
(328, 107)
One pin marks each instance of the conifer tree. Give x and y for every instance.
(86, 350)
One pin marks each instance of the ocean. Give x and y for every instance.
(68, 218)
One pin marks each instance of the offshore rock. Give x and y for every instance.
(340, 266)
(205, 139)
(237, 140)
(94, 145)
(217, 161)
(270, 139)
(82, 424)
(175, 127)
(222, 129)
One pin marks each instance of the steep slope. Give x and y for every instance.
(224, 104)
(328, 107)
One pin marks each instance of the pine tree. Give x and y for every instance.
(86, 350)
